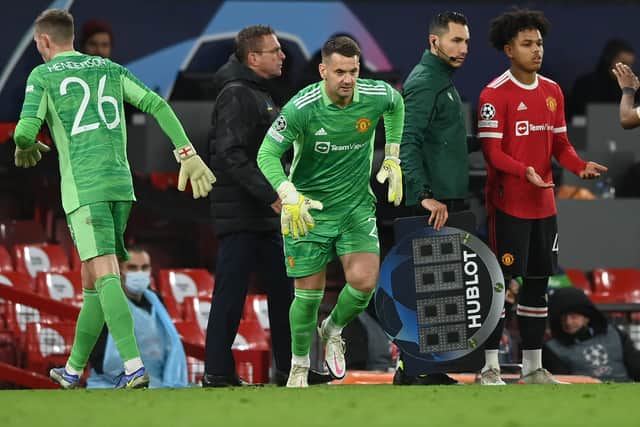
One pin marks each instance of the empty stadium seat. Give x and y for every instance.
(33, 258)
(5, 260)
(13, 232)
(59, 286)
(48, 345)
(619, 284)
(196, 310)
(164, 180)
(256, 308)
(579, 280)
(176, 284)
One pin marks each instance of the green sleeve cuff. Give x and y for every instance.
(26, 132)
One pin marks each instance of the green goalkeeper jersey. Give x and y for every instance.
(81, 99)
(333, 146)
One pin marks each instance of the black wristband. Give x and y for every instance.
(628, 91)
(426, 194)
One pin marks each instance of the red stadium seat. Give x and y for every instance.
(177, 284)
(59, 286)
(579, 280)
(48, 345)
(164, 180)
(256, 308)
(20, 316)
(251, 352)
(619, 283)
(5, 260)
(20, 280)
(196, 310)
(13, 232)
(33, 258)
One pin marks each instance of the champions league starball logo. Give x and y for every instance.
(440, 294)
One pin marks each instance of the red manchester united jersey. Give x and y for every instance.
(523, 125)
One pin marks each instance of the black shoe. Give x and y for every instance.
(209, 380)
(314, 378)
(438, 378)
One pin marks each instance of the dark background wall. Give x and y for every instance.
(155, 37)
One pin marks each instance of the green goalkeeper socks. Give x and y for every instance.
(117, 315)
(303, 316)
(351, 302)
(88, 329)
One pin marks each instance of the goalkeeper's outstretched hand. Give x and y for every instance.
(192, 168)
(295, 218)
(390, 171)
(28, 157)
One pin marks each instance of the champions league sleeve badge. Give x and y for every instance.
(440, 295)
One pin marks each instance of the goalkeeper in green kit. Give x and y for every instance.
(328, 207)
(81, 99)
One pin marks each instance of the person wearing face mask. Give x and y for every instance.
(160, 346)
(584, 343)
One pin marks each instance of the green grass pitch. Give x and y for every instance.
(584, 405)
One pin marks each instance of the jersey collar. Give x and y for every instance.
(67, 53)
(518, 83)
(327, 101)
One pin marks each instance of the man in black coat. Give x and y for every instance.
(245, 208)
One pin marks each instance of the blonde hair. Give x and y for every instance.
(57, 24)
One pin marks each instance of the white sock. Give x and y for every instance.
(330, 328)
(71, 370)
(491, 360)
(301, 360)
(132, 365)
(531, 361)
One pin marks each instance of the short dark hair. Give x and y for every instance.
(341, 45)
(506, 27)
(440, 23)
(249, 39)
(57, 24)
(94, 26)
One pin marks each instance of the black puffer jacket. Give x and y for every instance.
(242, 115)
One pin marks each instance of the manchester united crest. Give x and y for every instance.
(507, 259)
(363, 124)
(552, 104)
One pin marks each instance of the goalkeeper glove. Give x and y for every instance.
(28, 157)
(295, 217)
(390, 170)
(192, 168)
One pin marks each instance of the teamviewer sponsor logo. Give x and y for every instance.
(322, 147)
(522, 128)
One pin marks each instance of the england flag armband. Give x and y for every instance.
(184, 153)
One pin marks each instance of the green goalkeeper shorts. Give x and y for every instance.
(355, 231)
(98, 229)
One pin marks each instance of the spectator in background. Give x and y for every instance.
(629, 84)
(434, 145)
(585, 343)
(160, 346)
(96, 38)
(600, 84)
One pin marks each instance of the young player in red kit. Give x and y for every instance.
(521, 125)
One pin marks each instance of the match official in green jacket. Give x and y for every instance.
(434, 151)
(434, 154)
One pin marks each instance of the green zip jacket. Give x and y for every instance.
(434, 145)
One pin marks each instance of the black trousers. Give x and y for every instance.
(238, 255)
